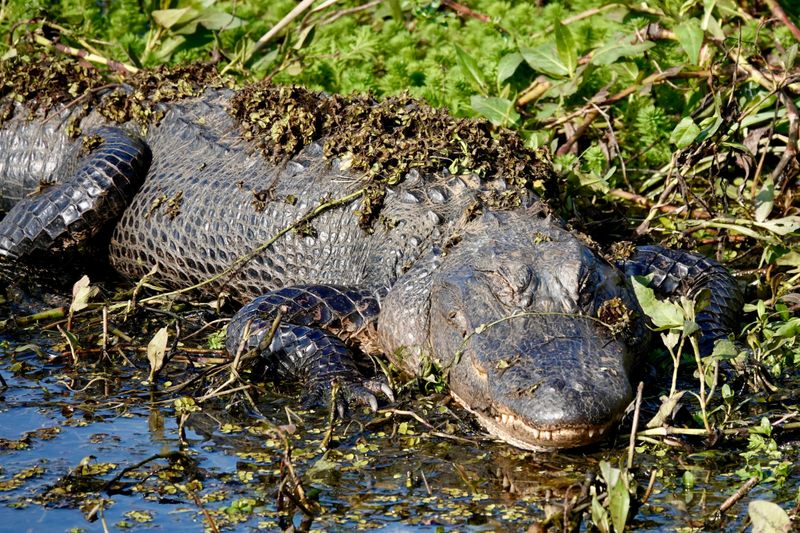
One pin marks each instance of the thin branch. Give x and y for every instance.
(241, 261)
(592, 114)
(632, 444)
(465, 11)
(281, 25)
(790, 154)
(780, 14)
(124, 471)
(122, 68)
(739, 494)
(349, 11)
(664, 208)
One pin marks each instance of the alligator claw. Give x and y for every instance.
(379, 386)
(352, 391)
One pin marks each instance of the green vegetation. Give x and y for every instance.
(667, 121)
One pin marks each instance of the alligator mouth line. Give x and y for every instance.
(516, 432)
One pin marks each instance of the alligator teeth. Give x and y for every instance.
(590, 433)
(504, 418)
(601, 431)
(545, 435)
(535, 433)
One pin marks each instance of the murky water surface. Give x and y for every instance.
(67, 434)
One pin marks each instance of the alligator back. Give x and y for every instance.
(211, 198)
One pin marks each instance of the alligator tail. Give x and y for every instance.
(71, 211)
(681, 273)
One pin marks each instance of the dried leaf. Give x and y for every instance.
(82, 292)
(768, 517)
(669, 404)
(156, 349)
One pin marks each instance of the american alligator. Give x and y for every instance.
(534, 329)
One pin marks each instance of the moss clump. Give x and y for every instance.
(42, 82)
(153, 87)
(385, 140)
(90, 142)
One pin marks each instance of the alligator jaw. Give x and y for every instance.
(517, 432)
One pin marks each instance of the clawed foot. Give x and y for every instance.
(350, 390)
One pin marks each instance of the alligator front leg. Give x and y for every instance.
(318, 325)
(676, 273)
(68, 213)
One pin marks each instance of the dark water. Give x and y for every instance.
(379, 472)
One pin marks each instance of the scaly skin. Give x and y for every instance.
(505, 303)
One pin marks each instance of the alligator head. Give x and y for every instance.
(513, 315)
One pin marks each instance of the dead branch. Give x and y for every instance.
(780, 14)
(465, 11)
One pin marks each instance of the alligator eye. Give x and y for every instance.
(456, 318)
(514, 284)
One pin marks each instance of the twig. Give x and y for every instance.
(465, 11)
(56, 312)
(241, 261)
(790, 154)
(738, 495)
(432, 429)
(425, 481)
(69, 343)
(331, 416)
(233, 376)
(211, 523)
(88, 56)
(669, 187)
(349, 11)
(281, 25)
(85, 387)
(288, 476)
(578, 17)
(767, 81)
(534, 91)
(167, 455)
(645, 202)
(760, 165)
(592, 114)
(781, 15)
(412, 414)
(632, 443)
(104, 342)
(650, 485)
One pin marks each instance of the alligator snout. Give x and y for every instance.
(551, 391)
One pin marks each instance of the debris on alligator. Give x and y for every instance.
(468, 271)
(43, 82)
(386, 140)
